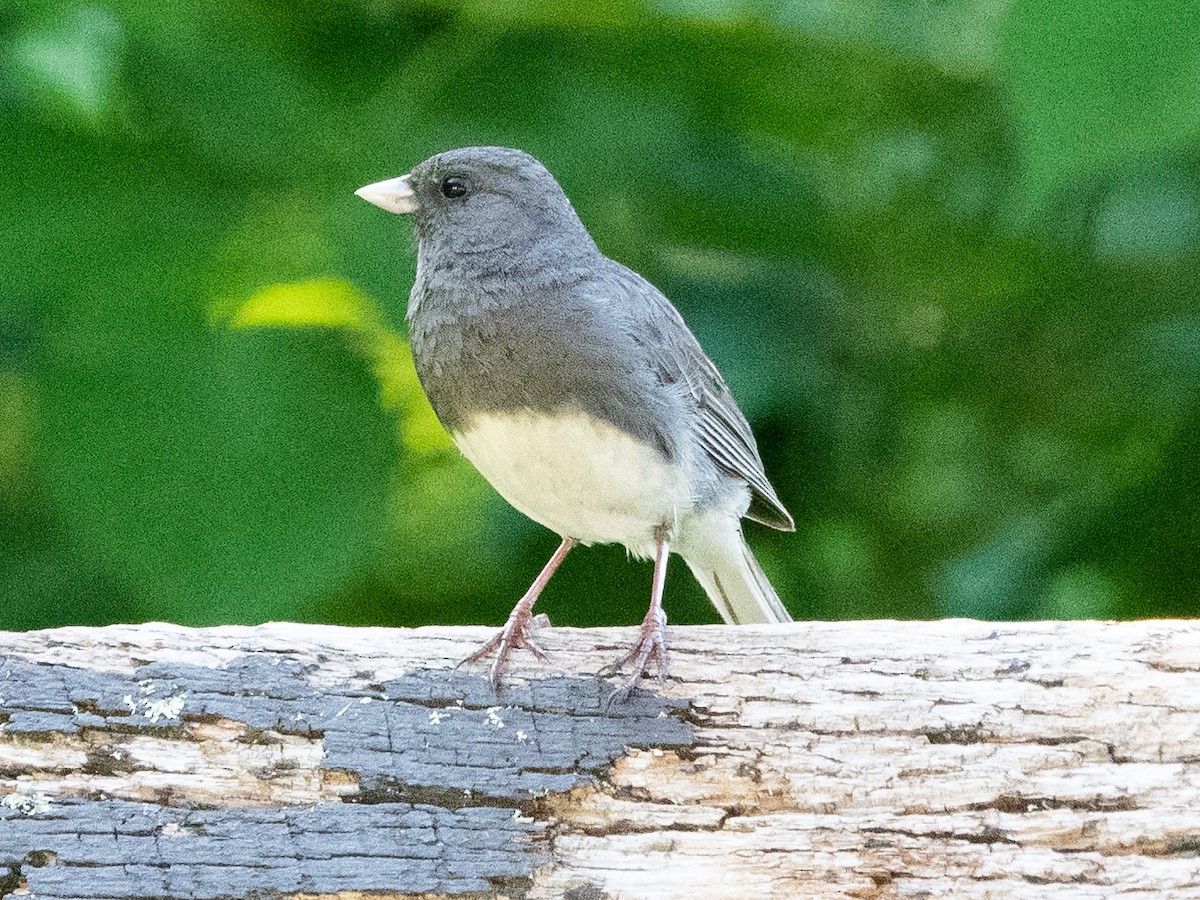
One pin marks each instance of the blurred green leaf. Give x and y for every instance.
(1149, 215)
(16, 437)
(69, 60)
(229, 475)
(1000, 577)
(1095, 85)
(202, 76)
(959, 36)
(1079, 593)
(244, 472)
(517, 13)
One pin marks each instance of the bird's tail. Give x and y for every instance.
(718, 556)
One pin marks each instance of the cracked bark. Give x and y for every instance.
(859, 759)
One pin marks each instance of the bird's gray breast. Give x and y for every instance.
(482, 348)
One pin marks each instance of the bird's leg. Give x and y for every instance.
(517, 631)
(651, 645)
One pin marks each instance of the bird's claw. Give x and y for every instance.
(650, 647)
(517, 633)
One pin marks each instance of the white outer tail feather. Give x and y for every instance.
(717, 554)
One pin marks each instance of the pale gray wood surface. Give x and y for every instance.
(858, 759)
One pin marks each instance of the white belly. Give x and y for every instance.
(578, 476)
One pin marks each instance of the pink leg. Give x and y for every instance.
(651, 645)
(517, 631)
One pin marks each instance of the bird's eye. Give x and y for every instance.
(453, 186)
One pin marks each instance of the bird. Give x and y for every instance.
(577, 390)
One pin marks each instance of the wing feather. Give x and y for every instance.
(723, 430)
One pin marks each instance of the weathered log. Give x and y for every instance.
(858, 759)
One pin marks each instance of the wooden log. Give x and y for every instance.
(858, 759)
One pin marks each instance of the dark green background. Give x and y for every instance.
(947, 256)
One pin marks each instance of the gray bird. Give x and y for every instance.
(577, 390)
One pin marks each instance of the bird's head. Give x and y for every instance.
(491, 206)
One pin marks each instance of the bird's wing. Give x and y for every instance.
(723, 430)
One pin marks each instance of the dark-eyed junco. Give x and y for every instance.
(577, 390)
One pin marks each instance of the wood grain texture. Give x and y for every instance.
(859, 759)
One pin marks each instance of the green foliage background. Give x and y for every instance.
(946, 254)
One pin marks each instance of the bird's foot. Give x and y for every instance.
(650, 647)
(518, 631)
